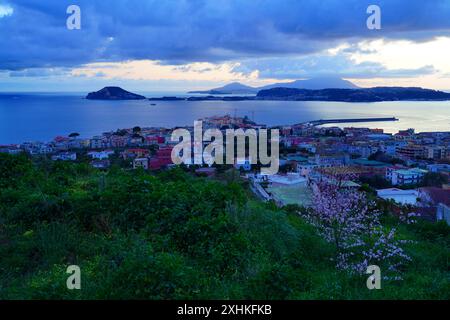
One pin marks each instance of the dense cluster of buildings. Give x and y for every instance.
(402, 161)
(308, 152)
(130, 144)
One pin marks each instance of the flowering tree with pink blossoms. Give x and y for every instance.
(345, 218)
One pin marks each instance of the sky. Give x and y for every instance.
(180, 45)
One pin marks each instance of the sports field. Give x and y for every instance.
(294, 194)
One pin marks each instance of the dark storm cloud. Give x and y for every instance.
(35, 35)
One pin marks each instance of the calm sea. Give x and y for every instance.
(41, 117)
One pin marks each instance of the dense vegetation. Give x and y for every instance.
(353, 95)
(176, 236)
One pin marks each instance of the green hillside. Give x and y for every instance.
(176, 236)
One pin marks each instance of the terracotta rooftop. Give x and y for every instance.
(438, 195)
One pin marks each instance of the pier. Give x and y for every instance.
(328, 121)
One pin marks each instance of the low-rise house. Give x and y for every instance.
(78, 143)
(436, 198)
(98, 142)
(244, 164)
(136, 140)
(135, 153)
(151, 140)
(162, 158)
(65, 156)
(293, 161)
(61, 143)
(35, 148)
(399, 196)
(101, 164)
(291, 141)
(118, 141)
(100, 155)
(141, 163)
(61, 146)
(10, 149)
(355, 132)
(404, 134)
(46, 149)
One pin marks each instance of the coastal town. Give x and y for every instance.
(225, 159)
(407, 169)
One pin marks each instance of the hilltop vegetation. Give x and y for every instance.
(113, 93)
(175, 236)
(375, 94)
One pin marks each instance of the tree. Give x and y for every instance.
(345, 218)
(434, 179)
(377, 181)
(137, 130)
(74, 135)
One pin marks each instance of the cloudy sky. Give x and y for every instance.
(175, 45)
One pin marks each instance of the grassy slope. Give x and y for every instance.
(174, 237)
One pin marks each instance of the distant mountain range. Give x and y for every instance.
(376, 94)
(294, 94)
(311, 84)
(113, 93)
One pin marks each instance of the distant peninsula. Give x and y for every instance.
(376, 94)
(113, 93)
(354, 95)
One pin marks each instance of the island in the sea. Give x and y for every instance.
(113, 93)
(376, 94)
